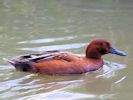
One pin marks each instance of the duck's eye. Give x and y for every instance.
(103, 51)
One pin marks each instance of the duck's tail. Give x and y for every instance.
(23, 66)
(9, 61)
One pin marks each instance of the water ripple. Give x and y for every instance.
(110, 69)
(47, 40)
(58, 95)
(55, 47)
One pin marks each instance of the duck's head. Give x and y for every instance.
(99, 47)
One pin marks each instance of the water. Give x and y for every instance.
(31, 26)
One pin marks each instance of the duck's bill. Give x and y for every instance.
(117, 52)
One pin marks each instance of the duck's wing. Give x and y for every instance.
(44, 56)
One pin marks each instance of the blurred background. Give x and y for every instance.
(32, 26)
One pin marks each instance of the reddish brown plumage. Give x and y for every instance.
(61, 62)
(75, 66)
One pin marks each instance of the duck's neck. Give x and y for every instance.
(94, 64)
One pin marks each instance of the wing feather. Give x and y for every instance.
(47, 55)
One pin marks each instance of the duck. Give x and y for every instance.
(64, 62)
